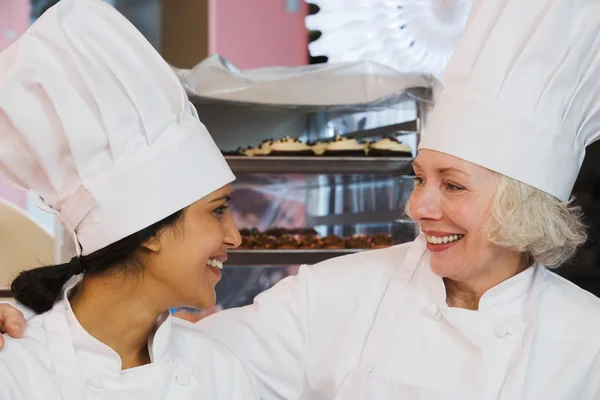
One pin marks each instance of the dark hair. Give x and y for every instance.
(39, 288)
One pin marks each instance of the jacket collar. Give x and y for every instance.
(100, 357)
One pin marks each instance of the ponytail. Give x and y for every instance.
(39, 288)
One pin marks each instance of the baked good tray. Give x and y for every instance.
(284, 257)
(321, 165)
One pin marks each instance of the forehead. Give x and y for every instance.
(431, 159)
(218, 195)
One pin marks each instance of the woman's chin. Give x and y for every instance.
(443, 268)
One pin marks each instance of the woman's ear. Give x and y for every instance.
(153, 244)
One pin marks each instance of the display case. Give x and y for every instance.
(341, 196)
(352, 199)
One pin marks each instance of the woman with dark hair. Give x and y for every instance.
(96, 126)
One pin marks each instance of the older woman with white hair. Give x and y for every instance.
(468, 310)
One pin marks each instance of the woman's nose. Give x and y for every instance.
(425, 204)
(232, 234)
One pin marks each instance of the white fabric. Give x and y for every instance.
(324, 334)
(321, 334)
(522, 92)
(186, 364)
(97, 127)
(491, 338)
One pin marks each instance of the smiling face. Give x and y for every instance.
(451, 202)
(186, 259)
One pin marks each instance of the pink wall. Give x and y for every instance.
(14, 20)
(258, 33)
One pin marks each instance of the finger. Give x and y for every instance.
(1, 341)
(10, 316)
(14, 330)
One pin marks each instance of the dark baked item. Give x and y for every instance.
(389, 146)
(287, 242)
(311, 242)
(381, 240)
(249, 232)
(247, 243)
(248, 238)
(277, 232)
(334, 242)
(358, 242)
(238, 152)
(265, 242)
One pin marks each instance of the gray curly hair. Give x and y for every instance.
(533, 222)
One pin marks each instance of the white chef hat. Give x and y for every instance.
(97, 127)
(522, 92)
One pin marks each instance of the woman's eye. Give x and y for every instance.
(453, 187)
(220, 211)
(418, 180)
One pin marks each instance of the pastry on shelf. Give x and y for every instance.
(287, 242)
(308, 239)
(248, 151)
(247, 243)
(358, 242)
(238, 152)
(262, 150)
(318, 147)
(381, 240)
(289, 146)
(311, 242)
(345, 146)
(265, 242)
(276, 232)
(389, 146)
(248, 236)
(334, 242)
(248, 232)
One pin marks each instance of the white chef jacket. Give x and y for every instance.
(58, 359)
(376, 325)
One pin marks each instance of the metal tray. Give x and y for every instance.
(321, 165)
(284, 257)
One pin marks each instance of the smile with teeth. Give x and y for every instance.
(444, 239)
(215, 263)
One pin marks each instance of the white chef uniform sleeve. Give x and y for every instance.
(270, 335)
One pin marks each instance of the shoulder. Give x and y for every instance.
(566, 295)
(33, 342)
(190, 341)
(20, 359)
(366, 272)
(572, 308)
(208, 356)
(370, 265)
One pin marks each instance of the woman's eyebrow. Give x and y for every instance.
(450, 169)
(225, 197)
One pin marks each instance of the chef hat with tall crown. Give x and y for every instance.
(95, 125)
(522, 92)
